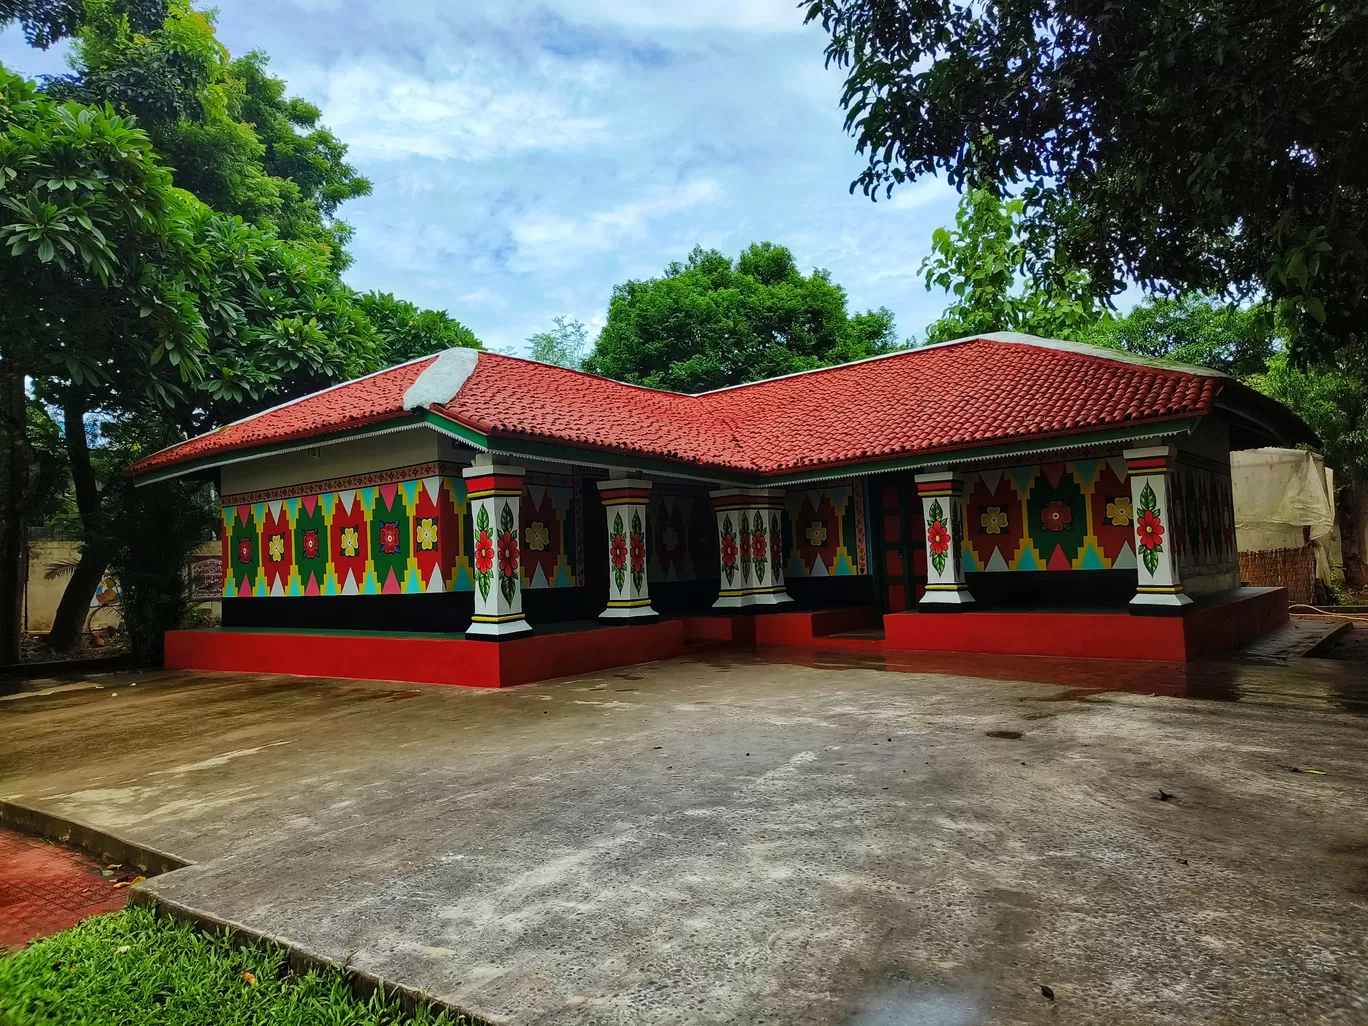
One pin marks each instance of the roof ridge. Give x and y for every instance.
(589, 374)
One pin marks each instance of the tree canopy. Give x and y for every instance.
(226, 126)
(981, 262)
(708, 322)
(1213, 146)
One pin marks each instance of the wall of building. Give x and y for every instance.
(1069, 516)
(389, 451)
(1202, 521)
(826, 531)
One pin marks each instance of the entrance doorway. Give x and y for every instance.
(901, 549)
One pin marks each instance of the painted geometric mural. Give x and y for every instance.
(1202, 515)
(1053, 516)
(827, 525)
(397, 532)
(682, 535)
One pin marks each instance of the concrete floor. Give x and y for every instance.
(734, 840)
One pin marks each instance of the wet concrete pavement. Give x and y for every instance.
(823, 838)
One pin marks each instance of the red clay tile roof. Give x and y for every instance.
(961, 395)
(351, 404)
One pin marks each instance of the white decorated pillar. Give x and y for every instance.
(941, 493)
(494, 493)
(629, 600)
(750, 546)
(1158, 585)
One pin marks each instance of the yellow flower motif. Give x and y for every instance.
(277, 548)
(816, 533)
(1119, 511)
(536, 536)
(670, 538)
(351, 541)
(427, 533)
(994, 520)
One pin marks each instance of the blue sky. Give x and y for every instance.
(527, 158)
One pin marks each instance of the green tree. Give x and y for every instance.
(707, 323)
(563, 346)
(983, 263)
(1333, 398)
(407, 332)
(89, 279)
(1201, 330)
(227, 127)
(1213, 146)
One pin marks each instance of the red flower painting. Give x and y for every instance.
(937, 538)
(1057, 516)
(508, 554)
(758, 547)
(729, 551)
(1149, 530)
(311, 544)
(484, 553)
(638, 553)
(389, 537)
(617, 552)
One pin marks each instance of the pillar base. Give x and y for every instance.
(1159, 603)
(624, 615)
(502, 630)
(753, 601)
(946, 599)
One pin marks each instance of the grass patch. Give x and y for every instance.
(131, 968)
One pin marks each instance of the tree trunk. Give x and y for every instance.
(16, 455)
(72, 611)
(1353, 517)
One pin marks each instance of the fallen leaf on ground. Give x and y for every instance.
(1046, 992)
(248, 978)
(114, 865)
(122, 948)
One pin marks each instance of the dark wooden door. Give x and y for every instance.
(902, 539)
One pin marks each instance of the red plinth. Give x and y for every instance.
(1212, 627)
(424, 659)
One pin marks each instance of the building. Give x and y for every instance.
(478, 518)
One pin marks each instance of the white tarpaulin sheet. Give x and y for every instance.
(1281, 495)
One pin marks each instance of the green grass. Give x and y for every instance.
(131, 968)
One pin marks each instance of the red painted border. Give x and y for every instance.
(1205, 630)
(419, 660)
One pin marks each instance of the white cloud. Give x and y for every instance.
(548, 240)
(459, 114)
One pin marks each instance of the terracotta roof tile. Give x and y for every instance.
(961, 395)
(367, 400)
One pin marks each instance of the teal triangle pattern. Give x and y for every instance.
(1092, 559)
(1028, 561)
(1086, 472)
(1022, 477)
